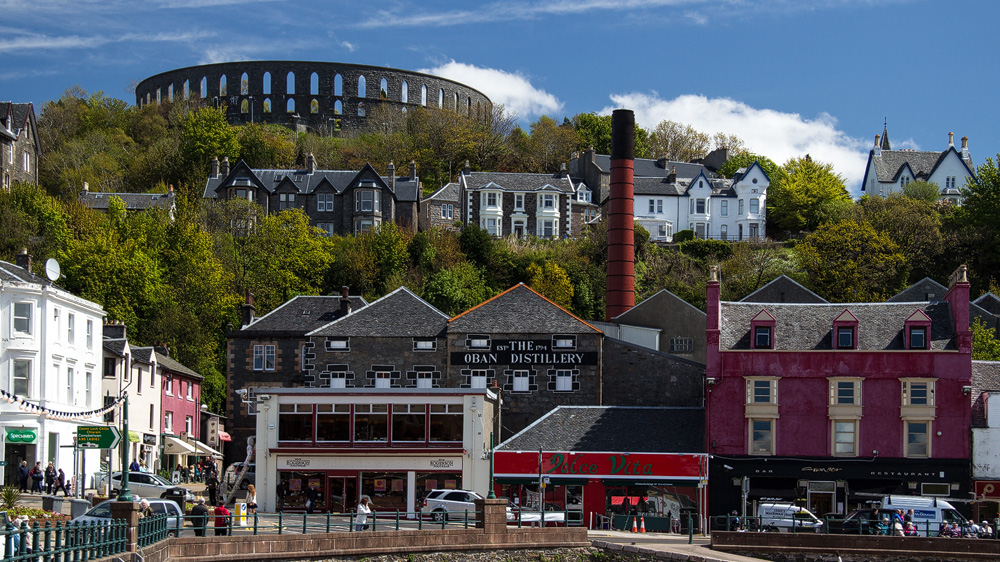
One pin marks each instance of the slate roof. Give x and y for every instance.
(300, 315)
(989, 302)
(784, 289)
(143, 354)
(512, 181)
(171, 364)
(985, 378)
(18, 114)
(398, 314)
(406, 188)
(11, 273)
(809, 326)
(519, 310)
(133, 201)
(614, 429)
(662, 299)
(890, 163)
(926, 289)
(647, 167)
(115, 346)
(450, 192)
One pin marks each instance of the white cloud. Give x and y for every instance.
(774, 134)
(513, 90)
(351, 47)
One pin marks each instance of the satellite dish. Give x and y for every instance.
(52, 269)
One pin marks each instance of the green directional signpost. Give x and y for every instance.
(97, 437)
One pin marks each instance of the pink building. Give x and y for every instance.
(181, 409)
(832, 406)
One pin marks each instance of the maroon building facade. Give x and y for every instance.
(832, 406)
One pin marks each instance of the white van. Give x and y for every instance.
(787, 517)
(928, 513)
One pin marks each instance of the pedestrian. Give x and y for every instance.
(61, 483)
(134, 467)
(364, 509)
(213, 488)
(252, 498)
(16, 534)
(37, 475)
(222, 521)
(199, 517)
(311, 496)
(23, 475)
(50, 478)
(144, 509)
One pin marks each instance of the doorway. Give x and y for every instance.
(14, 454)
(822, 498)
(343, 493)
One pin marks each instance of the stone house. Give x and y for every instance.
(442, 209)
(515, 204)
(20, 146)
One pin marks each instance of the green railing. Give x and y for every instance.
(829, 525)
(63, 542)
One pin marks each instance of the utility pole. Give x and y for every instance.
(125, 495)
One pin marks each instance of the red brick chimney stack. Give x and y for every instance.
(620, 293)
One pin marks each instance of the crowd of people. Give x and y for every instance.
(32, 480)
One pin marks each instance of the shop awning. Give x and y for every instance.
(204, 449)
(134, 437)
(174, 446)
(223, 436)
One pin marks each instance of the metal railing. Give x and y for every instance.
(833, 525)
(64, 542)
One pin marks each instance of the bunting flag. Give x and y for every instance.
(24, 405)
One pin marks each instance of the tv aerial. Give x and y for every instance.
(52, 269)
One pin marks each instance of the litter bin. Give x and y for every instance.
(176, 494)
(48, 503)
(78, 507)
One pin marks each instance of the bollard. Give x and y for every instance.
(690, 530)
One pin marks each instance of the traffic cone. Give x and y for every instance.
(642, 525)
(634, 528)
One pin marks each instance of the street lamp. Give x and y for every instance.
(125, 495)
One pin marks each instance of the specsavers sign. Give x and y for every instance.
(21, 435)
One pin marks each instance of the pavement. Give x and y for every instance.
(667, 546)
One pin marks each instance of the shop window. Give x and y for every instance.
(446, 422)
(386, 488)
(917, 443)
(295, 422)
(333, 422)
(409, 422)
(762, 437)
(371, 422)
(845, 441)
(294, 487)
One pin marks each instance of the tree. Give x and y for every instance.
(266, 146)
(922, 190)
(851, 261)
(456, 289)
(745, 160)
(380, 257)
(985, 346)
(678, 142)
(30, 218)
(595, 131)
(805, 196)
(206, 134)
(975, 225)
(751, 265)
(913, 224)
(551, 281)
(551, 144)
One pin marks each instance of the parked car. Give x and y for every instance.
(147, 485)
(249, 478)
(451, 503)
(175, 516)
(787, 517)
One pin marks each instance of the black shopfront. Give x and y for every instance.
(833, 487)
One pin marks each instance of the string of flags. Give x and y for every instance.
(25, 406)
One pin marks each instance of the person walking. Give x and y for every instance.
(364, 509)
(23, 474)
(221, 521)
(50, 478)
(252, 498)
(37, 475)
(61, 483)
(199, 517)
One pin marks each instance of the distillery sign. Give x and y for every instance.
(523, 352)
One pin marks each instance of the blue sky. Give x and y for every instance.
(789, 76)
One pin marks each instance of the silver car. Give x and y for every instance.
(175, 516)
(146, 485)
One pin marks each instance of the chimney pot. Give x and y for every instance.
(965, 143)
(345, 301)
(23, 260)
(224, 170)
(413, 169)
(86, 187)
(215, 166)
(877, 137)
(310, 163)
(951, 138)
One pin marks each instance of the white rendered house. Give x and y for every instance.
(889, 170)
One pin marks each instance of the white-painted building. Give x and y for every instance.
(889, 170)
(50, 370)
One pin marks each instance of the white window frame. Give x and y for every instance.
(518, 201)
(168, 422)
(752, 444)
(338, 344)
(839, 429)
(425, 379)
(24, 317)
(700, 205)
(724, 208)
(90, 334)
(492, 199)
(338, 379)
(189, 392)
(69, 385)
(424, 344)
(88, 380)
(324, 202)
(564, 380)
(478, 378)
(382, 379)
(71, 328)
(521, 381)
(754, 205)
(548, 201)
(189, 424)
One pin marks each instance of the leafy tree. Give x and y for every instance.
(745, 160)
(922, 190)
(380, 256)
(851, 261)
(705, 249)
(975, 227)
(551, 144)
(985, 346)
(206, 134)
(751, 265)
(595, 130)
(266, 146)
(552, 281)
(806, 195)
(678, 141)
(913, 224)
(456, 289)
(30, 218)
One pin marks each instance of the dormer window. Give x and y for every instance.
(917, 331)
(845, 337)
(845, 331)
(762, 331)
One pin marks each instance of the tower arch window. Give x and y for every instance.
(170, 92)
(266, 86)
(362, 86)
(314, 84)
(440, 99)
(383, 89)
(314, 106)
(267, 105)
(290, 83)
(404, 93)
(338, 107)
(291, 106)
(338, 85)
(245, 107)
(204, 87)
(187, 89)
(222, 85)
(244, 84)
(423, 95)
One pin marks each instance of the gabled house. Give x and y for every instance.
(442, 209)
(336, 201)
(516, 204)
(133, 201)
(887, 170)
(825, 404)
(20, 146)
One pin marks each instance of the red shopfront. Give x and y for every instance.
(607, 484)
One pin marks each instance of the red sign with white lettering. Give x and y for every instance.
(631, 466)
(987, 489)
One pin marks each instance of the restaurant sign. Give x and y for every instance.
(523, 352)
(600, 465)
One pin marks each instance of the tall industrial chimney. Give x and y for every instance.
(620, 293)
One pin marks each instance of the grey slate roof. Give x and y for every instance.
(398, 314)
(783, 289)
(989, 302)
(614, 429)
(11, 273)
(519, 310)
(646, 167)
(926, 289)
(300, 315)
(18, 113)
(115, 346)
(300, 181)
(449, 193)
(171, 364)
(512, 181)
(143, 354)
(985, 378)
(810, 326)
(133, 201)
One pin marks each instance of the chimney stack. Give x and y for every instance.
(392, 176)
(563, 172)
(215, 166)
(965, 149)
(345, 301)
(23, 260)
(310, 163)
(951, 138)
(86, 187)
(224, 169)
(467, 169)
(413, 169)
(248, 310)
(620, 293)
(672, 176)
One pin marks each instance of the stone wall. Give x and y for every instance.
(638, 376)
(788, 547)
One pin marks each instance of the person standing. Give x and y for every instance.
(134, 467)
(221, 521)
(311, 496)
(252, 498)
(364, 509)
(37, 475)
(199, 517)
(50, 478)
(61, 483)
(213, 488)
(23, 474)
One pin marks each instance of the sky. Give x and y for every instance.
(790, 77)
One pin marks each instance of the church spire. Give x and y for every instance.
(885, 136)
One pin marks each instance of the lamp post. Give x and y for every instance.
(125, 495)
(492, 495)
